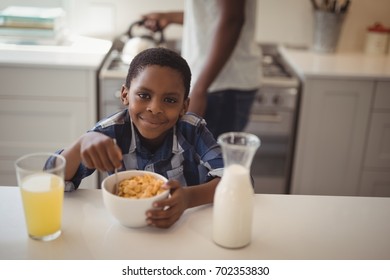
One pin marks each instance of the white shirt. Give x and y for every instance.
(242, 70)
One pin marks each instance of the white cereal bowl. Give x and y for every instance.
(129, 212)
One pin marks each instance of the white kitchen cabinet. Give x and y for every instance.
(331, 134)
(43, 110)
(375, 179)
(343, 138)
(378, 147)
(375, 183)
(48, 98)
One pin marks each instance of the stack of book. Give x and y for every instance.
(32, 25)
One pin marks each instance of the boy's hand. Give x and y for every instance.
(169, 209)
(100, 151)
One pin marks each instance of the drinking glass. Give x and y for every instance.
(41, 180)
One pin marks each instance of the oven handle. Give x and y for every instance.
(267, 118)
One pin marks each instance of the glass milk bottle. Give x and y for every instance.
(233, 199)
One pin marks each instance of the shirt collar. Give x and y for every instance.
(176, 148)
(133, 144)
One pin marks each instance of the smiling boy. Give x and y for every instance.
(154, 133)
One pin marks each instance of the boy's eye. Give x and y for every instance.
(147, 96)
(170, 100)
(143, 95)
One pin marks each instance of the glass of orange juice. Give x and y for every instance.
(41, 180)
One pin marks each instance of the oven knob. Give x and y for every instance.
(259, 98)
(276, 100)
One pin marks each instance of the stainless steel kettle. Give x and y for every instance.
(139, 38)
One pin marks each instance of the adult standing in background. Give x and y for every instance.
(219, 45)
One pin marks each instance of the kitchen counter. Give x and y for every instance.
(77, 52)
(344, 65)
(341, 145)
(285, 227)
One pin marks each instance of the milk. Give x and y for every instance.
(233, 208)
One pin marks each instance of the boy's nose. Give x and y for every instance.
(154, 107)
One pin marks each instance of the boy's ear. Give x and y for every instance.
(124, 95)
(184, 110)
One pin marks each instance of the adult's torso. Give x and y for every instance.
(242, 70)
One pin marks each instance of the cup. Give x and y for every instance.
(41, 180)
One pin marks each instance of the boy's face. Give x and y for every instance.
(155, 101)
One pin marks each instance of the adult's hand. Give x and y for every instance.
(157, 21)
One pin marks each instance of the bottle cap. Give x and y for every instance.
(378, 28)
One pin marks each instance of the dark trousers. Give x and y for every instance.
(228, 110)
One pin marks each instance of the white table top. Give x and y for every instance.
(285, 227)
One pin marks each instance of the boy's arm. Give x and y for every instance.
(201, 194)
(95, 150)
(73, 160)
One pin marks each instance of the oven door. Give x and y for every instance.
(272, 120)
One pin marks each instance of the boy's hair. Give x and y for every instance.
(162, 57)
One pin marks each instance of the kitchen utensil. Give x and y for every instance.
(116, 187)
(139, 39)
(327, 29)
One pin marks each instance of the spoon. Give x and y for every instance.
(116, 188)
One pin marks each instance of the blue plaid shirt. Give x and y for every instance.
(188, 154)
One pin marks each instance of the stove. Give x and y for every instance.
(112, 75)
(273, 119)
(275, 71)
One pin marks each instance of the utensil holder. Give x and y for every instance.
(327, 27)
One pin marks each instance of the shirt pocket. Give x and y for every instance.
(177, 174)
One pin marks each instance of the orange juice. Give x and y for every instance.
(42, 196)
